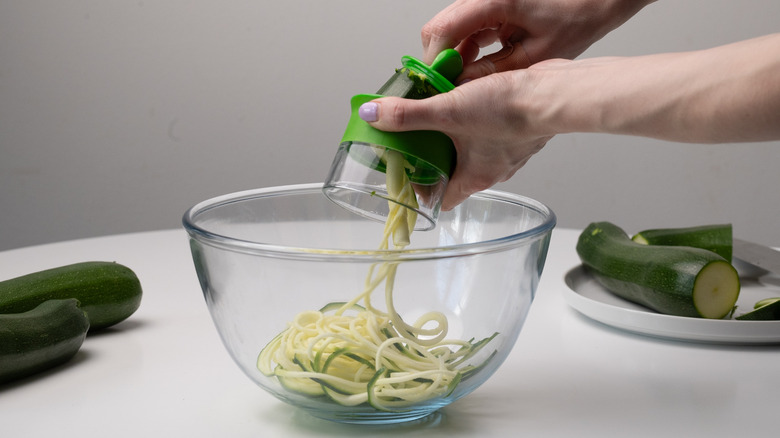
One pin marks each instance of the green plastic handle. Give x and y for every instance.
(432, 147)
(441, 73)
(435, 148)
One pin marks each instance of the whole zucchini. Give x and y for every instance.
(108, 292)
(716, 238)
(680, 281)
(41, 338)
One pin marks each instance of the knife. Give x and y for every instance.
(761, 256)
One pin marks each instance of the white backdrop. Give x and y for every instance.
(116, 116)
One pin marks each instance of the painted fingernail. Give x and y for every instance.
(369, 111)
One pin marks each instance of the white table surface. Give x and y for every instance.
(164, 372)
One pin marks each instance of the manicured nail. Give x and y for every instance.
(369, 111)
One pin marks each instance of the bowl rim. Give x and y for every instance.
(503, 243)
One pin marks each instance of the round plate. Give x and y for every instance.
(588, 297)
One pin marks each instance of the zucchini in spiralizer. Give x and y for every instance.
(682, 281)
(108, 292)
(716, 238)
(46, 336)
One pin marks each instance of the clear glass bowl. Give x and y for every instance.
(263, 256)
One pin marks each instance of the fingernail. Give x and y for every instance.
(369, 111)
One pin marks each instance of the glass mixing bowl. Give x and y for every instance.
(272, 258)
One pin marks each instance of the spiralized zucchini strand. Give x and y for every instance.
(354, 353)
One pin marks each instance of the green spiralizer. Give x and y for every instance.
(357, 179)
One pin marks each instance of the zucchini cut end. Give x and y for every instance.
(639, 238)
(716, 290)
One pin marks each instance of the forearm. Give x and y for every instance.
(725, 94)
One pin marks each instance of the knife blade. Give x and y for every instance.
(757, 255)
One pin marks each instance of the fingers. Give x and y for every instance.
(479, 173)
(470, 48)
(456, 23)
(466, 181)
(398, 114)
(453, 196)
(476, 170)
(460, 187)
(511, 57)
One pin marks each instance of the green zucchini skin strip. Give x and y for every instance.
(314, 377)
(662, 278)
(717, 238)
(767, 312)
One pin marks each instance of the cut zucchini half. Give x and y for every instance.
(680, 281)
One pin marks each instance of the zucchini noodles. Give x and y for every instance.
(355, 353)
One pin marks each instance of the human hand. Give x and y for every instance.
(493, 132)
(499, 121)
(530, 31)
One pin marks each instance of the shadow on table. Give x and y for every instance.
(127, 325)
(78, 358)
(457, 419)
(82, 355)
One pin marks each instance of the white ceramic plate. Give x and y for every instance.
(591, 299)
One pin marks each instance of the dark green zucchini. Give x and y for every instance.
(716, 238)
(108, 292)
(765, 310)
(44, 337)
(680, 281)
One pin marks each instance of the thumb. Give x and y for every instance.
(399, 114)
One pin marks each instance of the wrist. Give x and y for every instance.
(550, 100)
